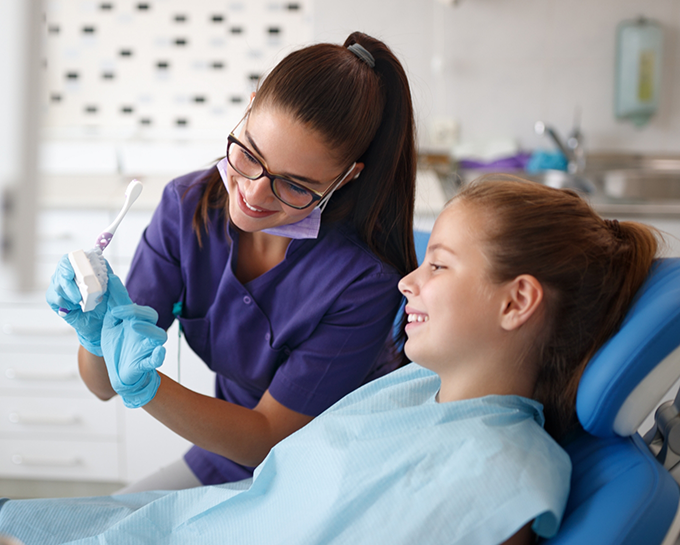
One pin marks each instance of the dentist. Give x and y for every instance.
(281, 264)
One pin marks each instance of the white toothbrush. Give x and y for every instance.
(89, 266)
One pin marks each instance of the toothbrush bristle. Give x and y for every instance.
(103, 240)
(98, 266)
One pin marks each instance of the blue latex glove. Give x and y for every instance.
(132, 345)
(64, 293)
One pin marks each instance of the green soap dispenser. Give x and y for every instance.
(639, 46)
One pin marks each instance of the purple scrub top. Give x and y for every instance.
(310, 330)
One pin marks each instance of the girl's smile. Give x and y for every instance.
(414, 318)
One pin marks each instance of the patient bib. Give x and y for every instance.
(387, 464)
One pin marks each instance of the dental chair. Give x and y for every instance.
(621, 493)
(623, 487)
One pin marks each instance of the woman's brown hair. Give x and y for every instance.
(590, 270)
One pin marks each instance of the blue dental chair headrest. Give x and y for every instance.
(620, 494)
(632, 372)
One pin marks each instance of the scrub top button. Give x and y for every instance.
(267, 337)
(247, 300)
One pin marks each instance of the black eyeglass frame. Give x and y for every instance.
(315, 195)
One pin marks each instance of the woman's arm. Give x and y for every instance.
(94, 374)
(243, 435)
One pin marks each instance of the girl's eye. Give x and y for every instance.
(436, 266)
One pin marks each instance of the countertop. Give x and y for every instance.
(107, 192)
(98, 192)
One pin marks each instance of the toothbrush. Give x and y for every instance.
(89, 266)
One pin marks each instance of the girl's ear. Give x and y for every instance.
(523, 297)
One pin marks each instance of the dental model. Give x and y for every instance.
(89, 266)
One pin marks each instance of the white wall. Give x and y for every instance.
(404, 25)
(497, 66)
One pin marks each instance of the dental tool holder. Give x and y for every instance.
(664, 438)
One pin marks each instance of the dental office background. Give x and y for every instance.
(150, 89)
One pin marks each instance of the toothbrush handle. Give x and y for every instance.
(131, 194)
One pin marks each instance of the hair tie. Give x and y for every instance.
(361, 52)
(614, 227)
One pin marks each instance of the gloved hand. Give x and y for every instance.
(132, 345)
(64, 293)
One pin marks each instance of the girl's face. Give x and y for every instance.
(452, 306)
(287, 148)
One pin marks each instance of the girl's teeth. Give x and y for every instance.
(417, 318)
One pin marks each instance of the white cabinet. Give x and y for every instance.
(51, 426)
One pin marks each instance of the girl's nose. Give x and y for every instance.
(407, 285)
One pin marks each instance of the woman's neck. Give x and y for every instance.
(258, 253)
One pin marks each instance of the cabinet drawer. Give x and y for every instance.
(65, 418)
(33, 326)
(62, 231)
(62, 460)
(35, 372)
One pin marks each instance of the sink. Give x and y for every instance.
(562, 180)
(619, 180)
(641, 184)
(631, 178)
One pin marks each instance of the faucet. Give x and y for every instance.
(572, 149)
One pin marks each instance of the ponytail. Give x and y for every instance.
(382, 206)
(633, 248)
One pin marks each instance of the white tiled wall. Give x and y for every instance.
(160, 68)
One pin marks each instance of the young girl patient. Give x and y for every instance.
(521, 284)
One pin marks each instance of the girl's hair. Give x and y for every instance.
(363, 114)
(590, 270)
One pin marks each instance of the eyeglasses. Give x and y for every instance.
(288, 192)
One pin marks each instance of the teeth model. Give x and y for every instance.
(89, 266)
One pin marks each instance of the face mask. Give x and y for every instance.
(307, 227)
